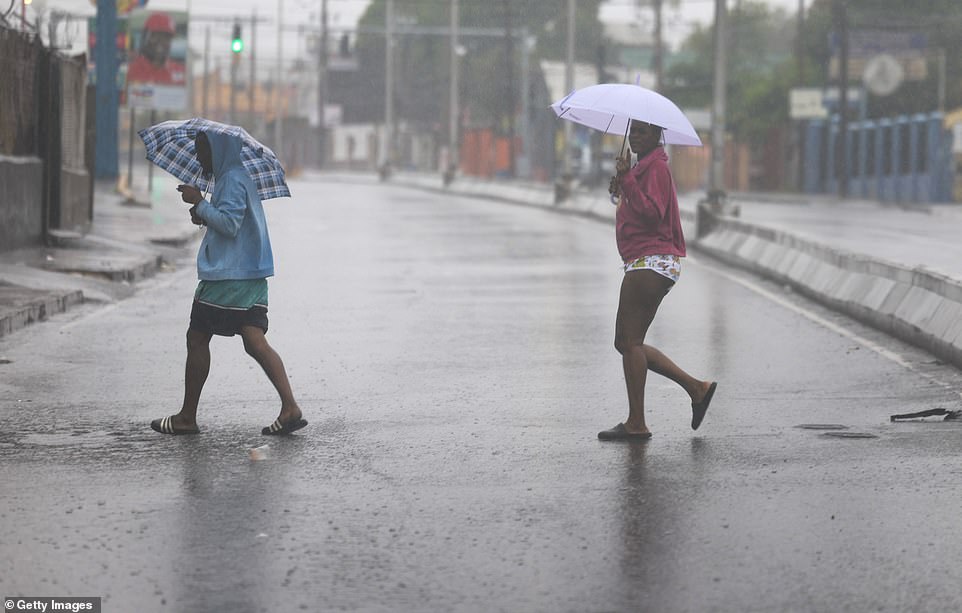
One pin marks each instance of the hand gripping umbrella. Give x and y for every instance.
(610, 107)
(170, 145)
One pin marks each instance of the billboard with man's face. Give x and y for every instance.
(157, 60)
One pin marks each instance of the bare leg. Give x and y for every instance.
(256, 345)
(195, 375)
(641, 295)
(659, 363)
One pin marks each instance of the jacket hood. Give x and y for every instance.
(225, 152)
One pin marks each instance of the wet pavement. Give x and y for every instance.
(454, 358)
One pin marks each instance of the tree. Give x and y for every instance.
(422, 62)
(939, 20)
(760, 70)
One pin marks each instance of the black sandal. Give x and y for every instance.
(165, 425)
(699, 409)
(620, 433)
(281, 428)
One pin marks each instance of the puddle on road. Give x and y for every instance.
(76, 444)
(77, 437)
(822, 427)
(837, 434)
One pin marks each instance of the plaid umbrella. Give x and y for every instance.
(170, 145)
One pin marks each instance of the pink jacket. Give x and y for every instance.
(648, 221)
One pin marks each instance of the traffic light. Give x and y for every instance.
(237, 42)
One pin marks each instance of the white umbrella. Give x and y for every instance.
(609, 107)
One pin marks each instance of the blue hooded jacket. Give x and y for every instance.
(236, 245)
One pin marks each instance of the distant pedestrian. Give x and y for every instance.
(651, 244)
(233, 264)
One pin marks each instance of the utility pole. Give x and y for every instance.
(798, 133)
(940, 92)
(106, 156)
(569, 87)
(659, 62)
(454, 110)
(252, 86)
(388, 149)
(205, 94)
(218, 100)
(234, 63)
(322, 87)
(278, 83)
(524, 158)
(800, 45)
(510, 105)
(841, 157)
(717, 177)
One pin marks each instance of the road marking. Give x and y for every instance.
(779, 300)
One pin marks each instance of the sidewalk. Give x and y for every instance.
(126, 244)
(897, 268)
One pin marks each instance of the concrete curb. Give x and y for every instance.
(22, 307)
(125, 246)
(921, 307)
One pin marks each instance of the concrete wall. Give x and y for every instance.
(76, 206)
(21, 202)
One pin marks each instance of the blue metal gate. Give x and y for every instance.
(899, 159)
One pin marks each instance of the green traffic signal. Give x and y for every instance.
(237, 43)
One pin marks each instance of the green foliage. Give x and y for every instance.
(940, 20)
(763, 66)
(490, 79)
(761, 70)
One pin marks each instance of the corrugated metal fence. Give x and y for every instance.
(44, 153)
(19, 64)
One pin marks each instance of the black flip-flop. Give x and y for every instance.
(620, 433)
(699, 409)
(165, 425)
(281, 428)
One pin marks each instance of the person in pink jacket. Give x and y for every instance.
(651, 245)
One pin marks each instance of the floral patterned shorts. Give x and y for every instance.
(665, 265)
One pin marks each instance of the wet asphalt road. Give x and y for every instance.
(454, 359)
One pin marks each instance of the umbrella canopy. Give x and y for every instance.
(609, 107)
(170, 145)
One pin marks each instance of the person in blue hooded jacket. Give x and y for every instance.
(233, 264)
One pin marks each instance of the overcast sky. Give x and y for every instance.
(678, 22)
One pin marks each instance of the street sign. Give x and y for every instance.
(908, 48)
(806, 103)
(883, 75)
(815, 102)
